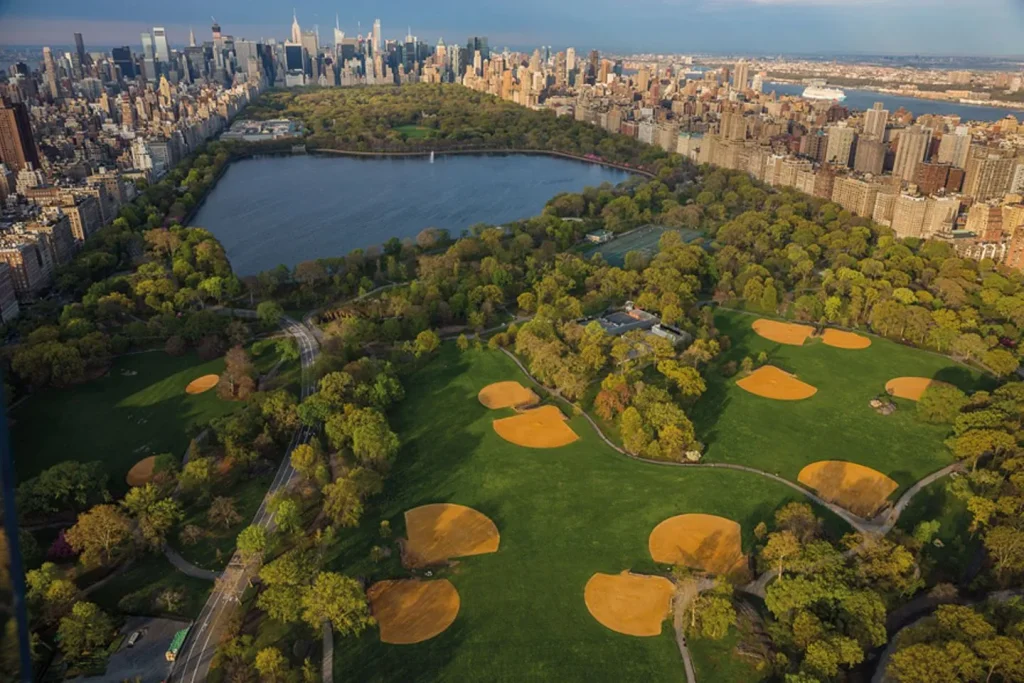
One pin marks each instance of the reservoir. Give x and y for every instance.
(861, 100)
(286, 210)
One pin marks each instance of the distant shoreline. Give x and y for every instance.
(992, 104)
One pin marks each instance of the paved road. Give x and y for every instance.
(193, 662)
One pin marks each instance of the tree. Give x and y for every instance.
(99, 534)
(462, 343)
(714, 614)
(238, 379)
(686, 378)
(339, 599)
(782, 546)
(798, 518)
(940, 404)
(269, 313)
(287, 516)
(155, 514)
(252, 543)
(342, 503)
(271, 664)
(973, 444)
(197, 475)
(85, 630)
(426, 343)
(635, 435)
(222, 512)
(1005, 544)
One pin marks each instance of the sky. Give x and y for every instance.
(935, 27)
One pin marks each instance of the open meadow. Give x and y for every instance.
(836, 422)
(563, 513)
(139, 408)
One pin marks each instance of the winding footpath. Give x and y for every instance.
(193, 663)
(187, 568)
(881, 525)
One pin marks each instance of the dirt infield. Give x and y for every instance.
(542, 427)
(700, 541)
(783, 333)
(411, 611)
(628, 603)
(845, 340)
(141, 472)
(911, 388)
(436, 533)
(859, 489)
(770, 382)
(507, 395)
(202, 384)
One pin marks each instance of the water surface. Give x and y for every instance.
(860, 100)
(275, 210)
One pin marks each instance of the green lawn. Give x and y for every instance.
(717, 661)
(836, 423)
(950, 561)
(136, 591)
(563, 515)
(247, 494)
(138, 409)
(415, 132)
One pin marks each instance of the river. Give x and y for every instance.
(865, 99)
(285, 210)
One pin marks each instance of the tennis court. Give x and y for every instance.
(643, 240)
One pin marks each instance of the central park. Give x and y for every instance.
(758, 438)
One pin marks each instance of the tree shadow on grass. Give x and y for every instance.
(965, 379)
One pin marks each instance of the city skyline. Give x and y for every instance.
(992, 28)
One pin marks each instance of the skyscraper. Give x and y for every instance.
(739, 76)
(840, 145)
(339, 35)
(875, 120)
(910, 151)
(296, 31)
(479, 44)
(989, 173)
(148, 57)
(17, 146)
(570, 59)
(191, 37)
(52, 82)
(954, 147)
(122, 57)
(163, 52)
(376, 37)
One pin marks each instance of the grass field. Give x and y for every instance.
(958, 551)
(563, 514)
(136, 591)
(117, 419)
(714, 661)
(415, 132)
(643, 240)
(836, 423)
(247, 495)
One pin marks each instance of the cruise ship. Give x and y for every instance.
(822, 92)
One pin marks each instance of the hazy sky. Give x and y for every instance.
(963, 27)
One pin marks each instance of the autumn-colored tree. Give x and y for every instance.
(238, 380)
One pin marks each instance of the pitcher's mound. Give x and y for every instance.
(507, 395)
(859, 489)
(783, 333)
(442, 531)
(700, 541)
(629, 603)
(770, 382)
(411, 611)
(141, 472)
(845, 340)
(204, 383)
(911, 387)
(542, 427)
